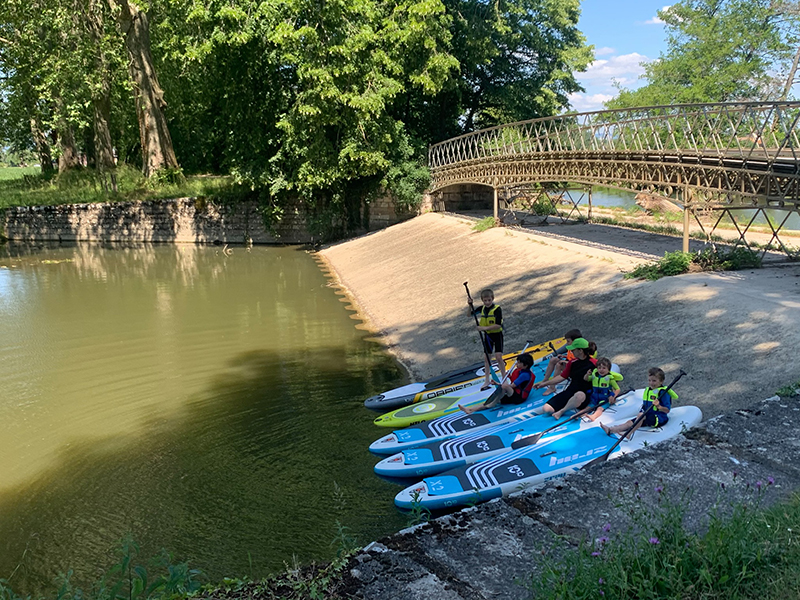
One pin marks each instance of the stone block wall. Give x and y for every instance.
(180, 220)
(462, 197)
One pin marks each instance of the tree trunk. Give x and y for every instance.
(157, 150)
(42, 148)
(69, 152)
(101, 105)
(790, 77)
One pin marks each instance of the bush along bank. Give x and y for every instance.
(710, 259)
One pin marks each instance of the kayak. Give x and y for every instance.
(463, 450)
(532, 466)
(453, 382)
(457, 423)
(445, 405)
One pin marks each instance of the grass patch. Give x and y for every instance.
(710, 259)
(744, 553)
(7, 173)
(484, 224)
(86, 186)
(787, 391)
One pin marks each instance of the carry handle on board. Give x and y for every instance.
(533, 439)
(639, 419)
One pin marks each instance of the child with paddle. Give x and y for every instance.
(605, 388)
(655, 408)
(490, 326)
(515, 392)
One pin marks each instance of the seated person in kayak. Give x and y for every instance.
(490, 326)
(515, 392)
(605, 388)
(577, 393)
(655, 407)
(557, 363)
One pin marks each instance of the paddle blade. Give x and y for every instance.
(526, 441)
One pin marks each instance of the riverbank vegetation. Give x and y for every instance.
(323, 105)
(710, 259)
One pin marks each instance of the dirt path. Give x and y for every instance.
(735, 333)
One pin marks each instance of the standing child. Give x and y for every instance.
(605, 388)
(516, 392)
(655, 408)
(490, 324)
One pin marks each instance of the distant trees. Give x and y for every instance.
(722, 50)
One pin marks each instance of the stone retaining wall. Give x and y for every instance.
(190, 220)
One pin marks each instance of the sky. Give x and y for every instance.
(625, 33)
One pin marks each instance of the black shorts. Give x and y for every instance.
(560, 400)
(514, 398)
(494, 342)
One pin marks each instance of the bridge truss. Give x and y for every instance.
(712, 158)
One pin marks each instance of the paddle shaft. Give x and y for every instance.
(636, 422)
(480, 333)
(531, 440)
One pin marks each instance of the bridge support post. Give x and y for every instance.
(685, 246)
(496, 204)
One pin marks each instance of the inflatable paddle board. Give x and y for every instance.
(440, 456)
(445, 405)
(532, 466)
(457, 423)
(452, 382)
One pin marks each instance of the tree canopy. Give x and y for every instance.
(720, 51)
(320, 102)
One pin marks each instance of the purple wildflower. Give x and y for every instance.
(600, 581)
(654, 541)
(595, 554)
(607, 527)
(602, 540)
(770, 481)
(758, 485)
(735, 474)
(659, 489)
(602, 593)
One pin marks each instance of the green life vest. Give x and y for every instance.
(488, 318)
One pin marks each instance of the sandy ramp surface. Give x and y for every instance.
(736, 334)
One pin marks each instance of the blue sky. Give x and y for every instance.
(624, 33)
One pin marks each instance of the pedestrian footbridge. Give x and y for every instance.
(710, 158)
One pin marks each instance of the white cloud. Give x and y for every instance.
(625, 66)
(604, 51)
(655, 20)
(588, 102)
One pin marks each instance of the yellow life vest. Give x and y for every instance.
(489, 319)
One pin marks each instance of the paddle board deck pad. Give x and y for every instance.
(532, 466)
(457, 423)
(467, 449)
(452, 382)
(445, 405)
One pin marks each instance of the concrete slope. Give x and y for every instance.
(734, 333)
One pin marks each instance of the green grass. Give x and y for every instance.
(484, 224)
(743, 554)
(7, 173)
(85, 186)
(710, 259)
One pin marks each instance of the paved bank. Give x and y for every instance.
(729, 331)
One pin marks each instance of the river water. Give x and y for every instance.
(203, 402)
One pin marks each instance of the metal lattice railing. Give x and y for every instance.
(724, 155)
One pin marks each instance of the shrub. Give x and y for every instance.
(710, 259)
(484, 224)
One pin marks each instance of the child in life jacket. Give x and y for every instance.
(514, 392)
(605, 388)
(655, 407)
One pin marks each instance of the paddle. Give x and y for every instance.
(533, 439)
(639, 419)
(498, 393)
(480, 333)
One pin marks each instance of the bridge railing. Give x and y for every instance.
(758, 131)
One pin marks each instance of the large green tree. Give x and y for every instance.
(719, 51)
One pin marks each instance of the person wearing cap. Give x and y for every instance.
(576, 395)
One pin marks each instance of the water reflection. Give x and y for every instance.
(206, 403)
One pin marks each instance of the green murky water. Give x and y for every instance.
(206, 403)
